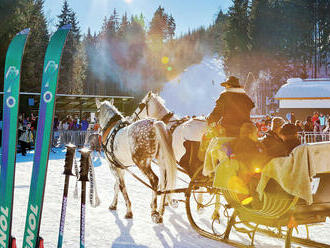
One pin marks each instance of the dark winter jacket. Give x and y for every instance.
(273, 145)
(232, 109)
(290, 144)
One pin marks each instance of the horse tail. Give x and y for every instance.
(166, 156)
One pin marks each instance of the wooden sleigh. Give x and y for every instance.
(279, 215)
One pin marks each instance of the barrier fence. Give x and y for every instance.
(79, 138)
(76, 137)
(311, 137)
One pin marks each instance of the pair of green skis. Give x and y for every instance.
(12, 75)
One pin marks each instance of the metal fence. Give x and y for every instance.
(63, 137)
(311, 137)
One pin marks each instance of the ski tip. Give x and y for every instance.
(24, 31)
(67, 26)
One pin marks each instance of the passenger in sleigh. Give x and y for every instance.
(248, 152)
(289, 135)
(272, 143)
(240, 171)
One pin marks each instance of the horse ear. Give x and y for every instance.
(112, 101)
(98, 103)
(149, 93)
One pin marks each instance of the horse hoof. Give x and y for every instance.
(112, 207)
(156, 218)
(129, 215)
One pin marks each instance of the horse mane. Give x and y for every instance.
(114, 108)
(160, 101)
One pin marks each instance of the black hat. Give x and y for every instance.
(232, 82)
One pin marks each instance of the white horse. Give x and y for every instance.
(137, 143)
(189, 129)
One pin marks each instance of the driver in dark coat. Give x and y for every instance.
(232, 108)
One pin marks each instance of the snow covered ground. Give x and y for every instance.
(106, 228)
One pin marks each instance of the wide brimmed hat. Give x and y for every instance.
(232, 82)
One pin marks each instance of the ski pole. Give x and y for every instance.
(83, 177)
(67, 172)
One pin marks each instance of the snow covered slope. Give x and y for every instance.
(195, 91)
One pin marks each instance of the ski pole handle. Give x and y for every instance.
(70, 150)
(84, 164)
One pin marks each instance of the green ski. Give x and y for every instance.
(9, 134)
(52, 61)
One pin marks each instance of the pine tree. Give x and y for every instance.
(64, 17)
(36, 47)
(158, 31)
(123, 28)
(236, 37)
(171, 27)
(79, 70)
(66, 78)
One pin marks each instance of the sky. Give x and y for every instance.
(188, 14)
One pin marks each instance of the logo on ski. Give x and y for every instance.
(3, 226)
(11, 101)
(48, 96)
(50, 70)
(32, 225)
(12, 73)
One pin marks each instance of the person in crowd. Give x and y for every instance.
(327, 125)
(34, 126)
(322, 119)
(25, 135)
(272, 143)
(232, 108)
(75, 125)
(299, 125)
(317, 131)
(289, 135)
(309, 125)
(84, 124)
(315, 117)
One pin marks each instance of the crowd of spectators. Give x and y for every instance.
(72, 123)
(27, 127)
(317, 123)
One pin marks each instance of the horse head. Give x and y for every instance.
(106, 112)
(152, 105)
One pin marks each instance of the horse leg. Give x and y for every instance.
(153, 179)
(122, 187)
(113, 205)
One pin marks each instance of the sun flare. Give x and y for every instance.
(128, 1)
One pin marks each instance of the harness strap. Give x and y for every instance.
(166, 118)
(111, 157)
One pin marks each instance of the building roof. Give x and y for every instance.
(297, 88)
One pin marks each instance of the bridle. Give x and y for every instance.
(145, 105)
